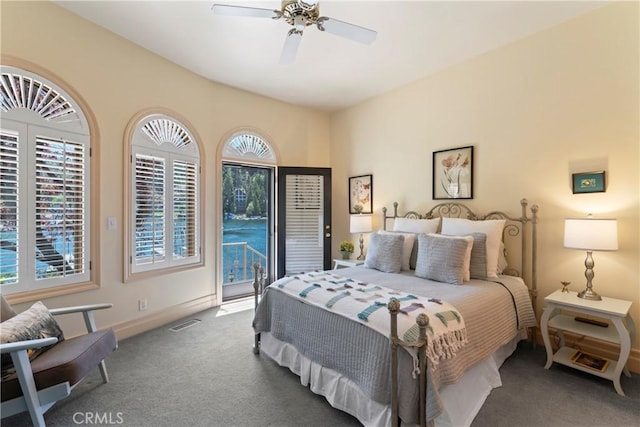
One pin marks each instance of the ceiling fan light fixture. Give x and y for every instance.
(307, 4)
(299, 23)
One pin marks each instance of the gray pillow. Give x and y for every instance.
(385, 252)
(478, 264)
(441, 259)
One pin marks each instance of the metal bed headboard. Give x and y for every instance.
(515, 227)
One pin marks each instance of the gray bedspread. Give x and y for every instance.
(494, 314)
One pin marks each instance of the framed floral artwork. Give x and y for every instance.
(453, 173)
(361, 194)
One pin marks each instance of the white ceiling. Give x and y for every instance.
(415, 39)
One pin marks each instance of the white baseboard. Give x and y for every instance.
(156, 319)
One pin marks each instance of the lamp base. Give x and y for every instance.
(590, 295)
(361, 256)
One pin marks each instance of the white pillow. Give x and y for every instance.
(412, 225)
(492, 228)
(407, 247)
(466, 274)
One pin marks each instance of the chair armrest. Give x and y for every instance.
(87, 313)
(79, 309)
(11, 347)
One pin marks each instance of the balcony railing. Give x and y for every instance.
(237, 262)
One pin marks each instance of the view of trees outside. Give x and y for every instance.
(244, 192)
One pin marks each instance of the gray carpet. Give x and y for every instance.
(206, 375)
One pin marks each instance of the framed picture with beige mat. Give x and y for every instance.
(589, 361)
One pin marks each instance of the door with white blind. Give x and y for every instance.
(304, 220)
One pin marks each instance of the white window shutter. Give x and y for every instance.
(60, 208)
(304, 213)
(9, 195)
(165, 185)
(149, 212)
(185, 210)
(45, 185)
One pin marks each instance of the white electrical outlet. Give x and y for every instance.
(142, 304)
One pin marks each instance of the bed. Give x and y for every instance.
(462, 272)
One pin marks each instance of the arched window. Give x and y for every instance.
(248, 164)
(164, 187)
(45, 185)
(248, 147)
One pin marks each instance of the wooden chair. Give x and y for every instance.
(38, 384)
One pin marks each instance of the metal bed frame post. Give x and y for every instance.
(258, 286)
(533, 290)
(534, 255)
(421, 345)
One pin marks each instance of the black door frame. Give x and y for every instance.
(283, 171)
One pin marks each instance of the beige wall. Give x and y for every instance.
(562, 101)
(117, 79)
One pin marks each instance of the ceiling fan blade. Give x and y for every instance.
(290, 48)
(229, 10)
(346, 30)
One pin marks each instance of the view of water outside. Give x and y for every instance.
(254, 233)
(8, 257)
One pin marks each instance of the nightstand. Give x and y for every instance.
(612, 309)
(337, 263)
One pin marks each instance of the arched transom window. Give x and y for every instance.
(164, 217)
(248, 146)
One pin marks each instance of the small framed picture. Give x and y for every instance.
(589, 361)
(588, 182)
(361, 194)
(453, 173)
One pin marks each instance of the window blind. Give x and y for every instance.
(304, 213)
(9, 194)
(185, 213)
(150, 213)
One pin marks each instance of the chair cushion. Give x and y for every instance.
(70, 360)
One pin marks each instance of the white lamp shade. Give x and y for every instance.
(591, 234)
(360, 224)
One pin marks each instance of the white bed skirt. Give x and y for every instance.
(461, 400)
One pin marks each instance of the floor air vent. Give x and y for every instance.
(184, 325)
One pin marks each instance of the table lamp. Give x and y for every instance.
(360, 224)
(590, 234)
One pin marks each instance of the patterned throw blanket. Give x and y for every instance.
(366, 303)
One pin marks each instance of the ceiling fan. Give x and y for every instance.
(299, 14)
